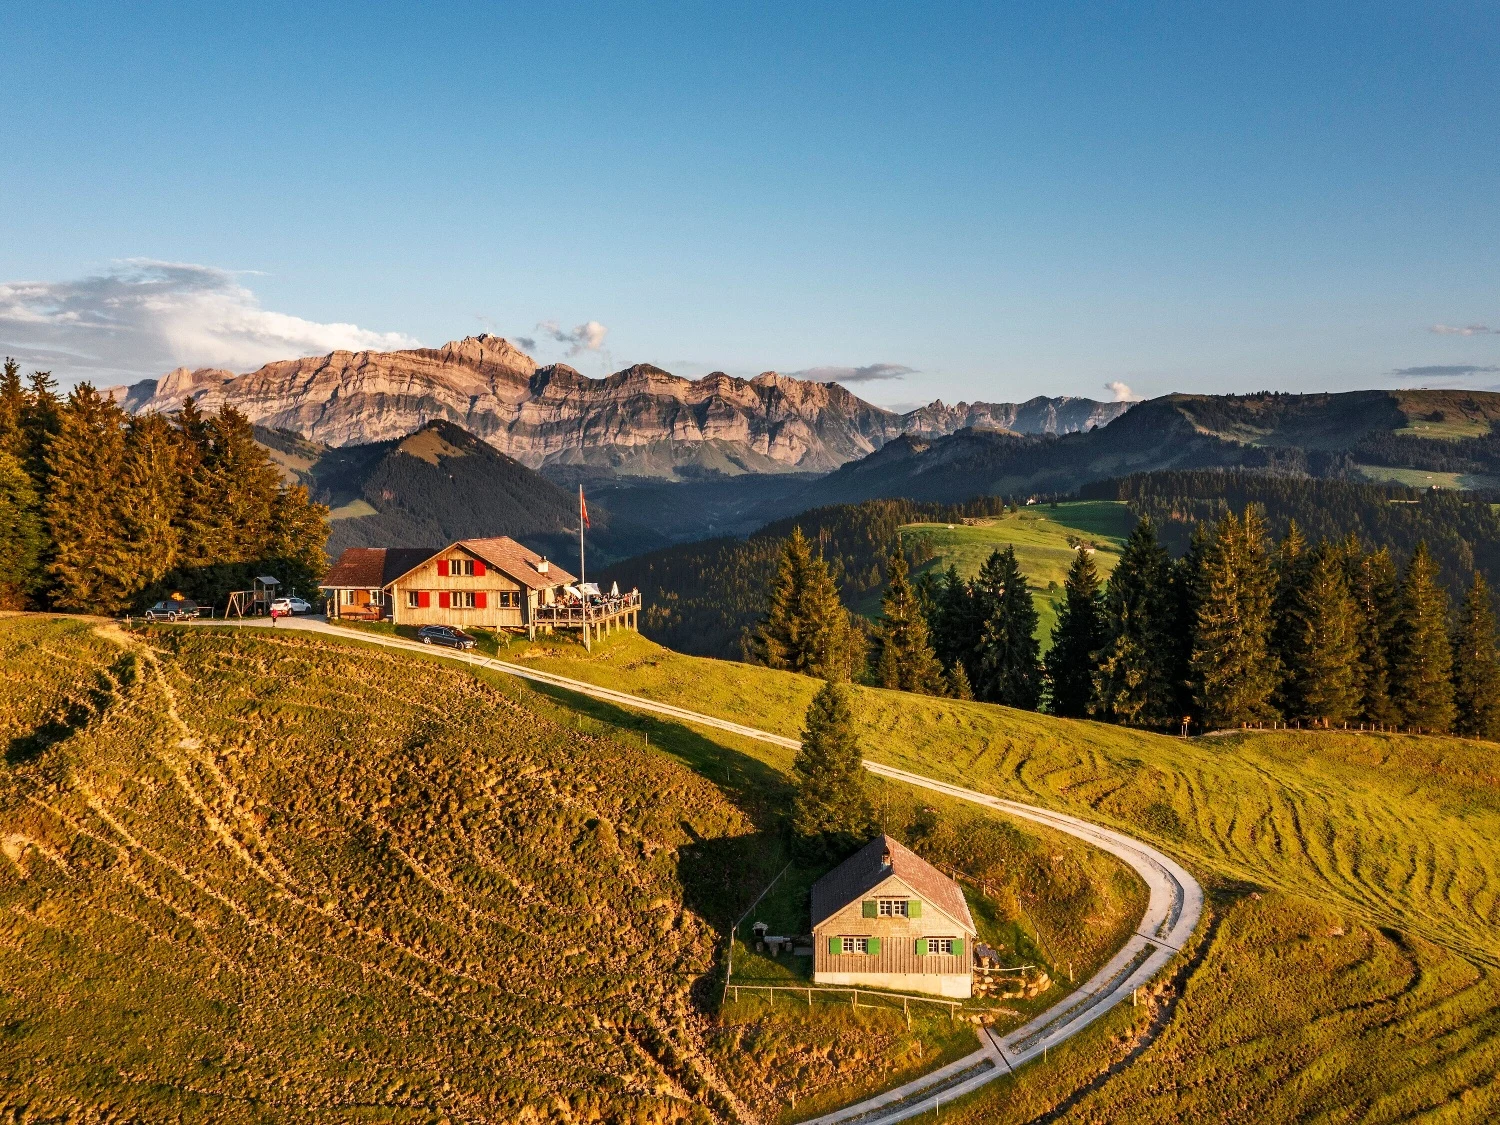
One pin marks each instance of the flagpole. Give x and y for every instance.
(581, 574)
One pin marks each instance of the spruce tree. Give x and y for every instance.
(806, 629)
(958, 625)
(1422, 656)
(1010, 668)
(1322, 683)
(12, 410)
(20, 535)
(1372, 583)
(91, 567)
(40, 420)
(906, 659)
(958, 682)
(1290, 566)
(1136, 684)
(831, 813)
(1234, 671)
(1476, 666)
(1073, 660)
(150, 500)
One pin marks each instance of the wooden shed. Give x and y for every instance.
(886, 918)
(356, 585)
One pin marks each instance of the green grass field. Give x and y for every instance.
(1422, 478)
(1347, 969)
(1044, 538)
(256, 876)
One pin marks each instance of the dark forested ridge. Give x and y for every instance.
(1462, 530)
(703, 598)
(440, 484)
(1317, 435)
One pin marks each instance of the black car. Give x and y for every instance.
(172, 611)
(444, 635)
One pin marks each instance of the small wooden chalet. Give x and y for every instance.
(886, 918)
(492, 583)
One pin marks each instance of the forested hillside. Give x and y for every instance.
(1462, 531)
(105, 513)
(704, 598)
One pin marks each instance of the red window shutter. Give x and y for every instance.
(478, 568)
(444, 601)
(442, 568)
(424, 600)
(479, 599)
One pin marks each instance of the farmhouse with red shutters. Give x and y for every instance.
(493, 583)
(887, 918)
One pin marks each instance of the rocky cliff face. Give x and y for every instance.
(642, 421)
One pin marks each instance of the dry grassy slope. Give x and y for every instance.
(1351, 967)
(211, 909)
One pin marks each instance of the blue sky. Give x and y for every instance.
(987, 201)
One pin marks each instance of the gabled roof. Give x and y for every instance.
(370, 568)
(862, 872)
(517, 561)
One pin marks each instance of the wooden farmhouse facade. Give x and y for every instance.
(493, 583)
(887, 918)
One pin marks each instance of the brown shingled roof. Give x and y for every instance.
(370, 568)
(863, 872)
(517, 561)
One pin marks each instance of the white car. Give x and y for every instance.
(290, 605)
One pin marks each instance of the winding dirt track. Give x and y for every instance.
(1172, 912)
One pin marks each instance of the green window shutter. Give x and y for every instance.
(921, 947)
(873, 946)
(869, 908)
(958, 947)
(914, 908)
(835, 946)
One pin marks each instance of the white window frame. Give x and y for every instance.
(859, 945)
(893, 908)
(413, 599)
(943, 946)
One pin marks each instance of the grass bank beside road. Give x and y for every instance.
(1354, 883)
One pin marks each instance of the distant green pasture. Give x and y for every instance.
(1041, 536)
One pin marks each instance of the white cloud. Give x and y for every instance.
(871, 373)
(142, 317)
(1465, 330)
(1120, 391)
(587, 337)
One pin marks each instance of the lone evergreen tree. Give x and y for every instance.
(1073, 660)
(1476, 666)
(1234, 671)
(1135, 683)
(906, 659)
(1010, 667)
(831, 812)
(958, 682)
(1422, 654)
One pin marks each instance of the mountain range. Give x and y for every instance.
(642, 422)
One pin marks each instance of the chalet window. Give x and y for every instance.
(954, 947)
(867, 945)
(893, 908)
(510, 599)
(461, 568)
(463, 599)
(377, 597)
(413, 599)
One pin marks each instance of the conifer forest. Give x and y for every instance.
(103, 512)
